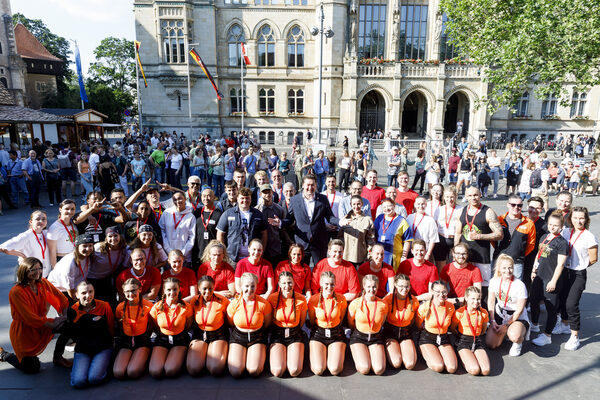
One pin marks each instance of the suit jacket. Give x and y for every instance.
(311, 232)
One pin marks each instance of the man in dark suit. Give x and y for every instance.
(310, 211)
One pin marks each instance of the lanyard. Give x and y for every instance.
(205, 319)
(545, 244)
(159, 213)
(286, 319)
(473, 331)
(137, 227)
(415, 220)
(436, 317)
(175, 222)
(507, 291)
(133, 322)
(571, 244)
(42, 247)
(112, 267)
(170, 321)
(208, 220)
(406, 304)
(71, 233)
(195, 206)
(383, 227)
(328, 317)
(447, 220)
(98, 221)
(470, 225)
(332, 200)
(87, 267)
(368, 313)
(249, 320)
(431, 210)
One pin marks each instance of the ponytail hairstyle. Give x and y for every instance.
(397, 278)
(369, 278)
(64, 203)
(135, 282)
(326, 275)
(33, 214)
(199, 297)
(286, 274)
(473, 289)
(439, 282)
(162, 302)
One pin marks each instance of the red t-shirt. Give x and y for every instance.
(383, 275)
(375, 196)
(263, 270)
(420, 277)
(453, 164)
(300, 272)
(346, 278)
(460, 279)
(223, 277)
(150, 278)
(407, 199)
(186, 277)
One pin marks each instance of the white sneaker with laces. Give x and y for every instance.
(535, 328)
(573, 343)
(542, 340)
(515, 350)
(561, 328)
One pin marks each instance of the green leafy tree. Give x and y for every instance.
(115, 65)
(523, 43)
(108, 101)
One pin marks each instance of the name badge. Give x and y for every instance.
(97, 318)
(473, 345)
(230, 218)
(249, 337)
(211, 222)
(170, 339)
(368, 337)
(382, 238)
(204, 336)
(287, 333)
(96, 238)
(205, 235)
(328, 333)
(438, 340)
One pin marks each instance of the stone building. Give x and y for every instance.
(12, 67)
(388, 67)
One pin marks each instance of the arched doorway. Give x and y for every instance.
(457, 109)
(372, 113)
(414, 115)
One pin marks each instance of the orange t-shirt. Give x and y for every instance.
(327, 313)
(285, 315)
(479, 319)
(401, 313)
(248, 316)
(210, 316)
(177, 317)
(444, 316)
(368, 318)
(133, 319)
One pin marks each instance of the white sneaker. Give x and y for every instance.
(542, 340)
(561, 329)
(515, 350)
(573, 343)
(495, 196)
(535, 328)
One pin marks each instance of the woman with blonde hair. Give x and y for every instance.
(217, 264)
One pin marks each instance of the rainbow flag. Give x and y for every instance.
(137, 55)
(197, 58)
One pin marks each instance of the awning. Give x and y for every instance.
(104, 125)
(23, 115)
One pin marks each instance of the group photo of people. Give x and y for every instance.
(172, 256)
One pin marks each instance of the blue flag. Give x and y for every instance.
(82, 93)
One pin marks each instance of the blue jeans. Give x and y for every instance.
(159, 174)
(90, 370)
(495, 175)
(453, 177)
(16, 184)
(321, 182)
(218, 182)
(393, 180)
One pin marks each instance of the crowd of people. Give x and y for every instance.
(254, 259)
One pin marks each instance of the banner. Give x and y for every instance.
(82, 92)
(244, 54)
(197, 58)
(137, 55)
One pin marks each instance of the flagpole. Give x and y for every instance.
(137, 85)
(242, 79)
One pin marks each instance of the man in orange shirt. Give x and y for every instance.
(404, 195)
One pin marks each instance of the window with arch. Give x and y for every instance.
(172, 32)
(295, 47)
(521, 108)
(235, 38)
(371, 28)
(266, 101)
(4, 82)
(266, 47)
(578, 103)
(0, 47)
(235, 101)
(295, 101)
(447, 50)
(413, 31)
(549, 106)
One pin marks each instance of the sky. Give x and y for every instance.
(86, 21)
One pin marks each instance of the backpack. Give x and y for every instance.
(114, 176)
(535, 181)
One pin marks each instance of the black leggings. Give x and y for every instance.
(551, 300)
(28, 365)
(570, 296)
(343, 179)
(54, 189)
(418, 177)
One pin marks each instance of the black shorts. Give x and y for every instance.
(335, 335)
(397, 333)
(442, 249)
(431, 338)
(132, 342)
(68, 174)
(210, 336)
(365, 338)
(248, 339)
(295, 335)
(466, 342)
(499, 320)
(170, 341)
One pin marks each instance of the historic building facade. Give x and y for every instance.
(388, 67)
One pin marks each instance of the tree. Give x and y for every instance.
(548, 44)
(109, 101)
(115, 65)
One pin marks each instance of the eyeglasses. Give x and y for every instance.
(516, 205)
(194, 183)
(441, 292)
(460, 254)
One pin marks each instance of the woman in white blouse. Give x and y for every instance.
(32, 242)
(62, 233)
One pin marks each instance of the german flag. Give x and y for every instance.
(197, 58)
(137, 55)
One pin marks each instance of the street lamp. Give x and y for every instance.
(328, 33)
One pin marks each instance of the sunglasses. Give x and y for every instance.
(194, 183)
(515, 205)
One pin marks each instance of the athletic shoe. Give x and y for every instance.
(573, 343)
(495, 196)
(535, 328)
(561, 328)
(63, 362)
(542, 340)
(515, 350)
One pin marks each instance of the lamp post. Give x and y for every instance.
(328, 33)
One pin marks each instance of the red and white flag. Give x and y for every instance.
(245, 55)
